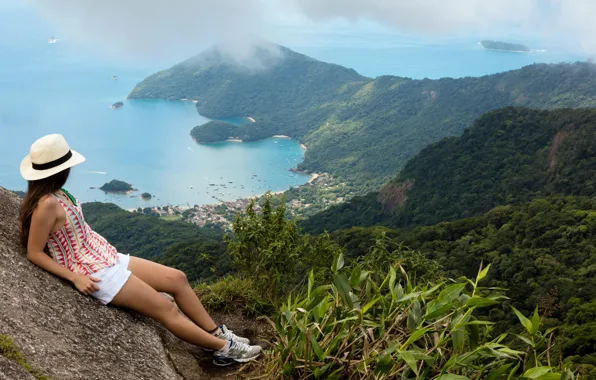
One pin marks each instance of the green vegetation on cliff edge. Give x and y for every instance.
(389, 312)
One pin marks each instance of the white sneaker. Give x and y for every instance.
(225, 334)
(236, 352)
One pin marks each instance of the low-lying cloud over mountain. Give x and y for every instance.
(155, 28)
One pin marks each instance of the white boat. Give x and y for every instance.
(52, 40)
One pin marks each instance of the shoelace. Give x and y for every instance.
(239, 347)
(229, 334)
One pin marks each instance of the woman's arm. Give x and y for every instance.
(42, 221)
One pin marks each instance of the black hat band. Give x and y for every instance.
(53, 164)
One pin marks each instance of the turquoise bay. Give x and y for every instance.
(60, 88)
(56, 88)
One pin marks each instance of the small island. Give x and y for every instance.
(117, 105)
(146, 196)
(215, 131)
(504, 46)
(115, 186)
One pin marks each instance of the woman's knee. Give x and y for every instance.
(166, 310)
(178, 277)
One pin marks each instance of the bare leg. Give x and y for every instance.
(142, 298)
(173, 281)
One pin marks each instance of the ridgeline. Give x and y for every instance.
(359, 129)
(508, 156)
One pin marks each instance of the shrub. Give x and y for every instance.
(358, 328)
(274, 253)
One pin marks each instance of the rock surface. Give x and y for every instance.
(11, 371)
(66, 335)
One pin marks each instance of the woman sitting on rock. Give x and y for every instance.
(59, 240)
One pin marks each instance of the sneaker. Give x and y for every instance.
(225, 334)
(236, 352)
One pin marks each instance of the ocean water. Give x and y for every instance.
(64, 88)
(56, 88)
(373, 53)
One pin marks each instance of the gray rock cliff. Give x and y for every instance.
(66, 335)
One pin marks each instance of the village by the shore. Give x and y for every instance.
(320, 192)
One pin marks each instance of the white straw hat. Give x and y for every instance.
(49, 155)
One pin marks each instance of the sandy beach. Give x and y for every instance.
(251, 119)
(260, 195)
(313, 176)
(234, 140)
(303, 146)
(281, 137)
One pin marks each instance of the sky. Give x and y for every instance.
(156, 28)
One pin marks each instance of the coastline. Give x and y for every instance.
(312, 178)
(234, 140)
(281, 137)
(252, 119)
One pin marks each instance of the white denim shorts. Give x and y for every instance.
(112, 279)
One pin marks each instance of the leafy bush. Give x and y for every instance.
(273, 253)
(361, 328)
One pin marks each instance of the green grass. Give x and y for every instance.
(171, 218)
(230, 294)
(10, 351)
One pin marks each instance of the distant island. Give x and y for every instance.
(116, 186)
(504, 46)
(146, 196)
(117, 105)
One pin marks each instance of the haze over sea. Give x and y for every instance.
(63, 88)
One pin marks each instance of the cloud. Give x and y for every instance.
(175, 28)
(154, 28)
(552, 21)
(424, 16)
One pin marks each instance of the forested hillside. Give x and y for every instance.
(362, 130)
(508, 156)
(199, 252)
(543, 252)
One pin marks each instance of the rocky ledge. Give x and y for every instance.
(65, 335)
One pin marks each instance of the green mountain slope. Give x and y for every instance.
(510, 155)
(360, 129)
(199, 252)
(543, 252)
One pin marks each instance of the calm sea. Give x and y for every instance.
(57, 88)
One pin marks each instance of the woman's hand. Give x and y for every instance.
(85, 284)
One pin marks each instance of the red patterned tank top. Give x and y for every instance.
(76, 246)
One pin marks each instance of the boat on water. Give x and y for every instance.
(52, 40)
(115, 77)
(117, 105)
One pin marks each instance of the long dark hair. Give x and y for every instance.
(35, 191)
